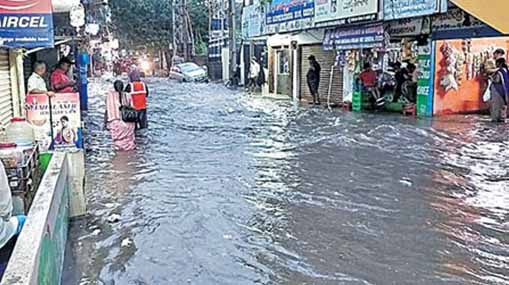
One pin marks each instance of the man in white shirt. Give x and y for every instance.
(254, 71)
(36, 82)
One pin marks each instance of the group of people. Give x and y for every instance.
(405, 83)
(60, 81)
(498, 75)
(256, 75)
(126, 110)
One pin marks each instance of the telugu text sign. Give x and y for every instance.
(398, 9)
(289, 15)
(330, 10)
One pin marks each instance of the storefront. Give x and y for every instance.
(463, 47)
(352, 46)
(410, 44)
(284, 17)
(254, 43)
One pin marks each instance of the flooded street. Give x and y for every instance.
(227, 188)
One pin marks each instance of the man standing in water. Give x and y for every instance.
(138, 91)
(313, 78)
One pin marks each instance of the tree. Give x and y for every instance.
(149, 22)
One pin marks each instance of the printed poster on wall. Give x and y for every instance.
(330, 10)
(290, 15)
(66, 117)
(398, 9)
(26, 23)
(460, 75)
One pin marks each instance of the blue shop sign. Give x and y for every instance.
(398, 9)
(290, 15)
(348, 38)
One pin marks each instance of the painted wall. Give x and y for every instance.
(459, 79)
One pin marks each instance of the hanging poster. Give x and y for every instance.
(347, 38)
(26, 23)
(253, 20)
(66, 119)
(398, 9)
(330, 10)
(290, 15)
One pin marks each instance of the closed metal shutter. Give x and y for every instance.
(6, 107)
(326, 60)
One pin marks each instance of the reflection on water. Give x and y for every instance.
(231, 189)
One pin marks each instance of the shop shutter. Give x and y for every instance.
(6, 107)
(326, 60)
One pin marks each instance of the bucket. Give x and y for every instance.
(44, 160)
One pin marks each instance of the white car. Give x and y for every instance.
(189, 72)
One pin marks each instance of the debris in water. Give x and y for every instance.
(406, 182)
(126, 242)
(114, 218)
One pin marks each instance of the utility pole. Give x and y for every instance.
(174, 30)
(232, 40)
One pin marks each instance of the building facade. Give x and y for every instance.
(444, 40)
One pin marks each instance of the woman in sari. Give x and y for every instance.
(499, 92)
(122, 133)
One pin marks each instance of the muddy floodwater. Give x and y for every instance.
(227, 188)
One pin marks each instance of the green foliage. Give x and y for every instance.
(149, 22)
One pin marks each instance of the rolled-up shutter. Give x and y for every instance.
(6, 107)
(326, 60)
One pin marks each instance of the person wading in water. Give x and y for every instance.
(313, 78)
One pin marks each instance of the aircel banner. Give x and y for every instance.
(26, 23)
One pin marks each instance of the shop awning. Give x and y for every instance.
(494, 14)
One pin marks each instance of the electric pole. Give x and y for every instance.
(174, 36)
(231, 31)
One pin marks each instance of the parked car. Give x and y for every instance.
(189, 72)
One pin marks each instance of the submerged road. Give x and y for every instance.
(228, 188)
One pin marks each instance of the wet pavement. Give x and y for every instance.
(227, 188)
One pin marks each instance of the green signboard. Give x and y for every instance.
(424, 82)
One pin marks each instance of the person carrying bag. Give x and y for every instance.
(120, 119)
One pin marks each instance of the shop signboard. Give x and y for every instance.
(26, 23)
(331, 10)
(289, 15)
(409, 27)
(456, 24)
(348, 38)
(399, 9)
(455, 19)
(425, 82)
(65, 116)
(253, 21)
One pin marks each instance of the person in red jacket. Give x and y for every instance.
(139, 93)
